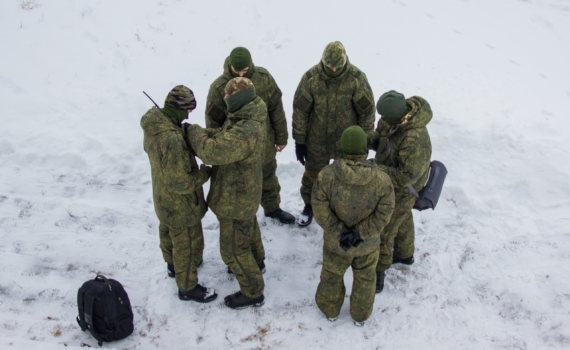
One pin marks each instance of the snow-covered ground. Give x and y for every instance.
(492, 262)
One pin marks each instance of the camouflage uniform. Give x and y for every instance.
(351, 193)
(408, 164)
(267, 89)
(177, 193)
(235, 190)
(323, 108)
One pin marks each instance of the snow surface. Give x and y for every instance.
(492, 262)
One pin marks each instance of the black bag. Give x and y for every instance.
(104, 309)
(429, 195)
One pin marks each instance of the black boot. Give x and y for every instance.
(239, 301)
(199, 293)
(170, 270)
(406, 261)
(306, 216)
(380, 282)
(261, 266)
(283, 216)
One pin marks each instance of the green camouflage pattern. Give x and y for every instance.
(242, 250)
(331, 290)
(176, 179)
(183, 247)
(323, 108)
(411, 152)
(334, 55)
(398, 236)
(236, 85)
(354, 194)
(178, 195)
(277, 134)
(237, 150)
(181, 97)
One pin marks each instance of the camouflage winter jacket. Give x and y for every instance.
(353, 194)
(176, 178)
(266, 88)
(324, 107)
(409, 159)
(238, 150)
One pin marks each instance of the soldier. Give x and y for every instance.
(353, 200)
(331, 96)
(237, 150)
(177, 192)
(239, 64)
(403, 147)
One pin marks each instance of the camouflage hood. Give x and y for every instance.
(352, 171)
(326, 77)
(155, 122)
(228, 72)
(251, 111)
(419, 116)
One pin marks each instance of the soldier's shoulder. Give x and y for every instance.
(312, 72)
(220, 81)
(356, 72)
(261, 70)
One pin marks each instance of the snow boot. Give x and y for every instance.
(380, 282)
(283, 216)
(239, 301)
(261, 268)
(170, 270)
(199, 293)
(306, 216)
(406, 261)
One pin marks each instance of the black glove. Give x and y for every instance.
(349, 238)
(301, 152)
(185, 126)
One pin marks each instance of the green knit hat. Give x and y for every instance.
(353, 141)
(240, 58)
(392, 107)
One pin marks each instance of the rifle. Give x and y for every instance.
(151, 100)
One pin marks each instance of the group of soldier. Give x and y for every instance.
(363, 206)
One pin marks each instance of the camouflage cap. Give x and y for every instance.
(237, 84)
(180, 97)
(334, 55)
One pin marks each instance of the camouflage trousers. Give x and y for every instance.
(331, 289)
(183, 247)
(270, 198)
(242, 250)
(313, 167)
(397, 238)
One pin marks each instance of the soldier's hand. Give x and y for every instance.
(280, 148)
(301, 152)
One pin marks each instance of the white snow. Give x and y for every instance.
(492, 261)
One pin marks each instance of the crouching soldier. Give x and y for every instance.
(177, 192)
(237, 151)
(352, 200)
(403, 150)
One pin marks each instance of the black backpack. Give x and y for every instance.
(104, 309)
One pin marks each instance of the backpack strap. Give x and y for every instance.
(410, 187)
(89, 300)
(81, 318)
